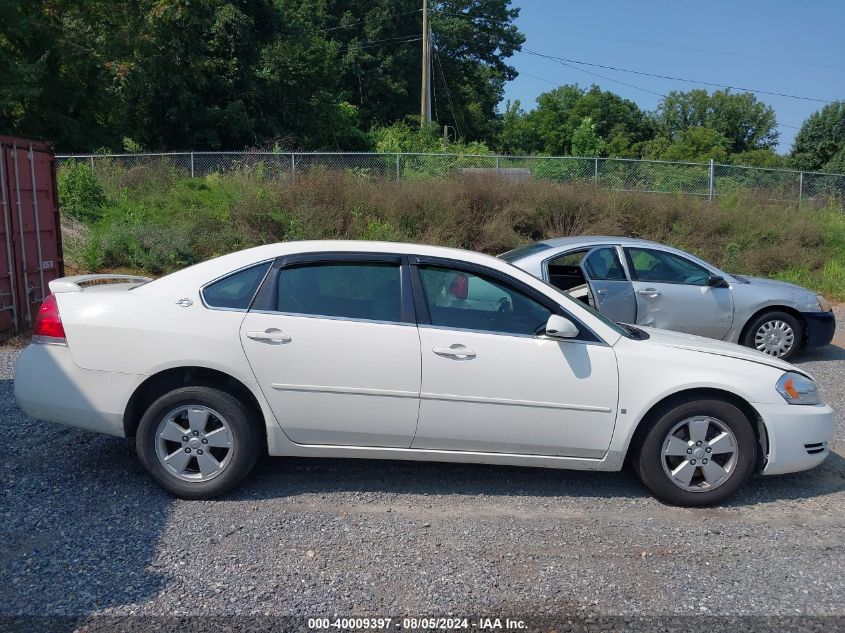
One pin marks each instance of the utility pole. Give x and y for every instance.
(425, 98)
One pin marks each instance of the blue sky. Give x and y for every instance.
(778, 46)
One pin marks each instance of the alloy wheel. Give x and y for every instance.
(699, 454)
(194, 443)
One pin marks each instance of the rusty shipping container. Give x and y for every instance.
(30, 232)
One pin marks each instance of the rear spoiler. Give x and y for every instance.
(75, 283)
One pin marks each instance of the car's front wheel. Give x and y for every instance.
(697, 453)
(197, 442)
(775, 333)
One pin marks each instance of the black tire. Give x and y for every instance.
(775, 315)
(648, 457)
(245, 441)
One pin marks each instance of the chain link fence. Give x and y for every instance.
(707, 180)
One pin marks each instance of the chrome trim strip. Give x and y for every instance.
(39, 339)
(515, 403)
(387, 450)
(536, 337)
(329, 318)
(356, 391)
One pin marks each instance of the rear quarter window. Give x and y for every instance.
(235, 291)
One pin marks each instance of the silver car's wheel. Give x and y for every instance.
(194, 443)
(775, 338)
(699, 454)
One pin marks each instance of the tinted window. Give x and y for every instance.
(604, 264)
(653, 265)
(465, 300)
(236, 290)
(523, 251)
(342, 289)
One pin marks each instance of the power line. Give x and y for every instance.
(448, 92)
(635, 87)
(669, 77)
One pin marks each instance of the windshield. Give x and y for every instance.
(523, 251)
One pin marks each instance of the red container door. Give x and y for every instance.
(31, 244)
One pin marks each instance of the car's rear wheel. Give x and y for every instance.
(775, 333)
(697, 453)
(197, 442)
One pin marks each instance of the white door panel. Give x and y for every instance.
(520, 394)
(337, 381)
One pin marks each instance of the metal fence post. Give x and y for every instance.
(192, 164)
(596, 170)
(293, 165)
(712, 187)
(398, 172)
(800, 187)
(497, 163)
(91, 158)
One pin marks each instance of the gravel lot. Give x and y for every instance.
(84, 531)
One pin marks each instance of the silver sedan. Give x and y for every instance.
(645, 283)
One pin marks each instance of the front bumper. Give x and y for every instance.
(50, 386)
(798, 436)
(820, 328)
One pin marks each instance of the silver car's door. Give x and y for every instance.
(673, 292)
(613, 293)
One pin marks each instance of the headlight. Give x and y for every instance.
(824, 304)
(798, 389)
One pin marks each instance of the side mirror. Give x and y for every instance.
(560, 327)
(716, 281)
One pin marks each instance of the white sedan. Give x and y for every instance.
(399, 351)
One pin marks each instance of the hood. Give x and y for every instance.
(694, 343)
(762, 281)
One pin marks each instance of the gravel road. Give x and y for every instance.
(85, 532)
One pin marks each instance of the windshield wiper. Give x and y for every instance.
(635, 332)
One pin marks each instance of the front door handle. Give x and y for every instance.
(458, 352)
(652, 292)
(270, 335)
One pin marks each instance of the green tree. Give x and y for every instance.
(695, 144)
(820, 143)
(549, 128)
(379, 59)
(517, 135)
(585, 140)
(746, 122)
(58, 76)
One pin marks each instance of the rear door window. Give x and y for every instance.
(604, 265)
(351, 290)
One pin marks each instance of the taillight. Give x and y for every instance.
(48, 323)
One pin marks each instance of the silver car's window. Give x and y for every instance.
(523, 251)
(352, 290)
(464, 300)
(603, 264)
(648, 264)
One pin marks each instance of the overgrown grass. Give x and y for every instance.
(150, 220)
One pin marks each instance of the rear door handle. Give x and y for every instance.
(271, 335)
(603, 291)
(458, 352)
(654, 292)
